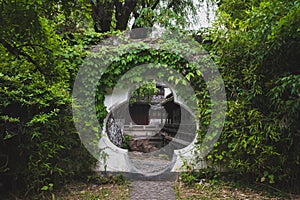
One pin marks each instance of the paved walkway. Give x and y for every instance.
(147, 162)
(152, 190)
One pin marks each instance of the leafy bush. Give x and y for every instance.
(256, 46)
(126, 140)
(40, 148)
(208, 174)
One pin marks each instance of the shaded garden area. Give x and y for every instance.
(254, 44)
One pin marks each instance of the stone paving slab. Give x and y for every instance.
(152, 190)
(148, 163)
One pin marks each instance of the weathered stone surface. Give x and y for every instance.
(159, 190)
(149, 163)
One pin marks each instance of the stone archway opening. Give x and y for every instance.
(151, 122)
(151, 127)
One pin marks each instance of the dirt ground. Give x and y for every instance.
(83, 191)
(224, 190)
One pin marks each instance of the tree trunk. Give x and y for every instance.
(123, 12)
(102, 15)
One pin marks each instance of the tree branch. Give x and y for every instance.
(171, 4)
(34, 45)
(123, 11)
(129, 6)
(155, 4)
(102, 15)
(136, 14)
(17, 53)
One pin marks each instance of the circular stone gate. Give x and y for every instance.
(111, 157)
(159, 161)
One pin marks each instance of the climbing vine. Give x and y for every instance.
(137, 54)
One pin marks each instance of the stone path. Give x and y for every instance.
(147, 162)
(152, 190)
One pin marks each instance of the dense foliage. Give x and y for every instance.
(256, 46)
(39, 146)
(42, 44)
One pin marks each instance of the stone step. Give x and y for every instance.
(176, 140)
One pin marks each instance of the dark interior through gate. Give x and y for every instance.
(152, 123)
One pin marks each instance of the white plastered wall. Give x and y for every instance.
(118, 159)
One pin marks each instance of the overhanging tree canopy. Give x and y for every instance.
(115, 14)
